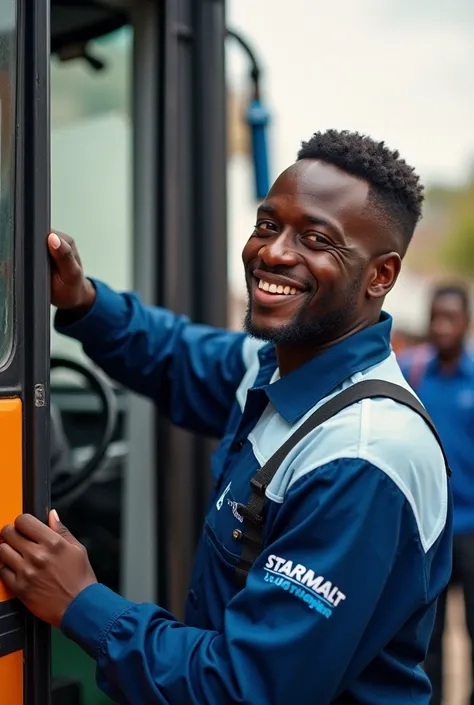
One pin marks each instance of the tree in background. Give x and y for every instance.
(458, 244)
(444, 243)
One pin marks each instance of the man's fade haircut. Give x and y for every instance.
(395, 188)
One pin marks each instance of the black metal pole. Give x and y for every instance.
(255, 70)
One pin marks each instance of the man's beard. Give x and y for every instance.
(304, 330)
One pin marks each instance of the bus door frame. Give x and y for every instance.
(26, 373)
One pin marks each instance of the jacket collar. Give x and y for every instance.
(296, 393)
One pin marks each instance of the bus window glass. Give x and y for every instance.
(7, 172)
(91, 168)
(91, 199)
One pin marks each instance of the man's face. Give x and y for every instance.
(449, 324)
(307, 261)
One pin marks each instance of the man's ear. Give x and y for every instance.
(384, 274)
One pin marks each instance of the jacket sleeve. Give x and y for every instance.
(191, 371)
(294, 628)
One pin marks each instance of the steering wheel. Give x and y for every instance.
(70, 486)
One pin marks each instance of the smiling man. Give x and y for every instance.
(324, 552)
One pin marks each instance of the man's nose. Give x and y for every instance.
(279, 251)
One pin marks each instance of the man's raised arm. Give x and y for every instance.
(191, 371)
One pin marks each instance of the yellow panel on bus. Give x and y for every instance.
(11, 505)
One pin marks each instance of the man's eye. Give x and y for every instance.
(318, 239)
(266, 226)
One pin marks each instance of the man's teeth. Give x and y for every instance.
(276, 288)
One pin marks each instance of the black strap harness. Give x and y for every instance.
(253, 512)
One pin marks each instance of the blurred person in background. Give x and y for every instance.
(442, 374)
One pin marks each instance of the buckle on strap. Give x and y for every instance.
(260, 487)
(248, 514)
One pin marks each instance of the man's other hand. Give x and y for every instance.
(70, 289)
(43, 566)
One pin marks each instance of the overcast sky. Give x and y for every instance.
(400, 70)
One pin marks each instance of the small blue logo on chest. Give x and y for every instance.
(226, 497)
(221, 499)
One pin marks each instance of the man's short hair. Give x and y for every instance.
(458, 290)
(395, 189)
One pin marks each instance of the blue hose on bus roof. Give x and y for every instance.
(257, 120)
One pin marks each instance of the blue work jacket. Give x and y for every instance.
(340, 605)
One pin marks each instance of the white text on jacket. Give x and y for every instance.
(299, 573)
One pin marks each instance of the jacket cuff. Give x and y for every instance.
(109, 310)
(91, 615)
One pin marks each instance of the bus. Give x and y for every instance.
(113, 129)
